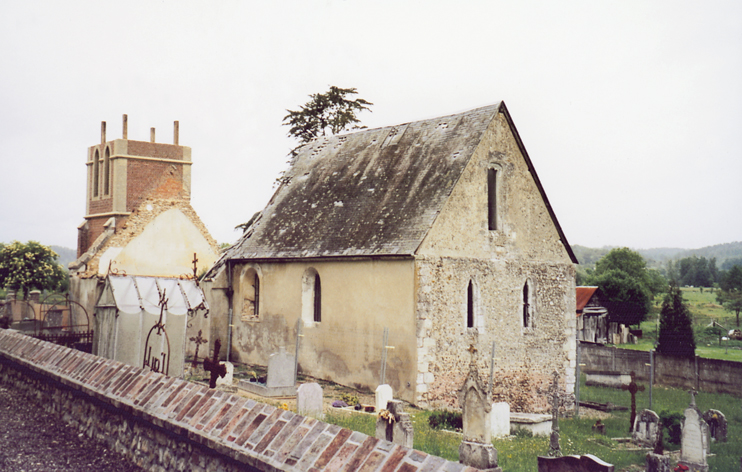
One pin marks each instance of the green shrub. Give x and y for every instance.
(672, 422)
(446, 419)
(349, 398)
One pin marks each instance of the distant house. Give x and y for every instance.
(438, 230)
(592, 316)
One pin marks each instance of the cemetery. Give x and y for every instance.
(587, 439)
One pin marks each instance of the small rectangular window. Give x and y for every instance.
(492, 199)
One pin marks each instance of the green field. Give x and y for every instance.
(705, 310)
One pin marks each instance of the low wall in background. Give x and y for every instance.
(164, 423)
(708, 375)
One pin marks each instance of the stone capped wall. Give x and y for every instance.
(164, 423)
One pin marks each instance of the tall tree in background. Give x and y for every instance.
(730, 294)
(30, 266)
(676, 326)
(623, 278)
(326, 113)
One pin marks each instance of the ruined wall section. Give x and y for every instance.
(135, 224)
(525, 247)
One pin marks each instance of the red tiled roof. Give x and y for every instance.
(584, 294)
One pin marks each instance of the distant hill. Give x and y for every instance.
(66, 255)
(658, 257)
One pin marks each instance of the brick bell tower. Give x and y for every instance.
(122, 173)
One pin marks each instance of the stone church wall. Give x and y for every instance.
(526, 356)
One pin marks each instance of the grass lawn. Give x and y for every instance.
(518, 453)
(705, 310)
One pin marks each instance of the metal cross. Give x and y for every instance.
(216, 368)
(633, 388)
(195, 268)
(198, 340)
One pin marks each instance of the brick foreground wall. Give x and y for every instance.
(709, 375)
(164, 423)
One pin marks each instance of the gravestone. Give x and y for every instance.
(281, 370)
(717, 424)
(395, 425)
(476, 449)
(586, 463)
(281, 379)
(657, 463)
(554, 449)
(500, 419)
(383, 395)
(645, 428)
(309, 400)
(694, 439)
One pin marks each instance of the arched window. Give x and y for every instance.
(311, 297)
(492, 199)
(527, 306)
(250, 293)
(96, 171)
(470, 305)
(317, 299)
(106, 171)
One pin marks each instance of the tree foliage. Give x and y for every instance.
(730, 294)
(326, 113)
(30, 266)
(623, 277)
(695, 271)
(676, 326)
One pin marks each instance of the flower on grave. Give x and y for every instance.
(387, 415)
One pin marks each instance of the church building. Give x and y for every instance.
(399, 248)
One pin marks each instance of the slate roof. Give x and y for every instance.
(371, 193)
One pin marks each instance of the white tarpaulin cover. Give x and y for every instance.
(134, 294)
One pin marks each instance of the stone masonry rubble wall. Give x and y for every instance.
(164, 423)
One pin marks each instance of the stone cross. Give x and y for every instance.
(554, 449)
(216, 368)
(198, 340)
(632, 388)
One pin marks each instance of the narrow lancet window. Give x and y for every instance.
(257, 295)
(492, 199)
(526, 307)
(317, 299)
(470, 305)
(96, 171)
(106, 172)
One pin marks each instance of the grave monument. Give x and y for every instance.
(694, 439)
(476, 449)
(394, 425)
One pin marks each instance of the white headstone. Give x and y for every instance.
(309, 400)
(228, 377)
(500, 419)
(693, 442)
(281, 370)
(383, 395)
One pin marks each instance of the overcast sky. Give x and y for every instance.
(630, 110)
